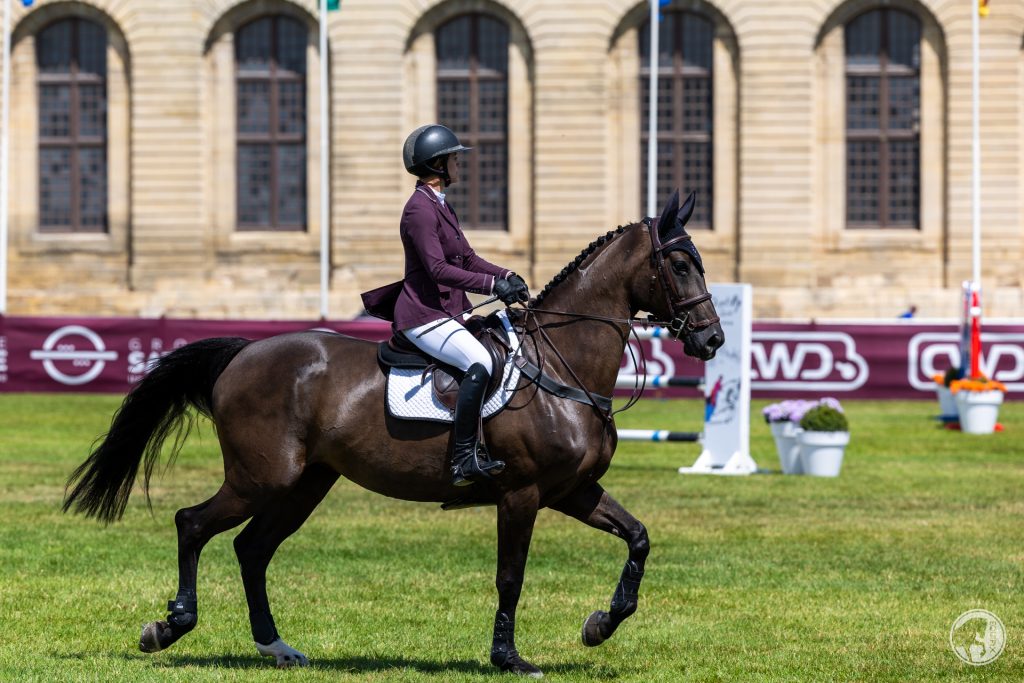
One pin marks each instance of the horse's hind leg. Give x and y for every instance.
(593, 506)
(256, 545)
(196, 526)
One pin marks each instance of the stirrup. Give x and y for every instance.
(473, 469)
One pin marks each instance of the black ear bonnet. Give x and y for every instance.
(672, 224)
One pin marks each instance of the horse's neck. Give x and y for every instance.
(593, 348)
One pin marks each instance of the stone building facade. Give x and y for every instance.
(830, 141)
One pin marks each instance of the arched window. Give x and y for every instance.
(270, 98)
(71, 60)
(472, 100)
(883, 63)
(685, 110)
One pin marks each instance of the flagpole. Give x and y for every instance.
(975, 149)
(325, 178)
(652, 113)
(5, 163)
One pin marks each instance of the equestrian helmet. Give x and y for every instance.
(427, 143)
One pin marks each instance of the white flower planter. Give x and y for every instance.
(785, 434)
(821, 453)
(947, 404)
(978, 410)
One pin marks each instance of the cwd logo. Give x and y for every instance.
(930, 353)
(806, 361)
(72, 348)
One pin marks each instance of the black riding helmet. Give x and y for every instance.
(427, 148)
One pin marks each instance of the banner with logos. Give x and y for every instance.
(110, 354)
(859, 360)
(806, 360)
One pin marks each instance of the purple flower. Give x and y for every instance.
(831, 403)
(797, 409)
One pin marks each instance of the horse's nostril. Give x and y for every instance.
(715, 340)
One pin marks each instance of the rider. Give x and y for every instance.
(440, 267)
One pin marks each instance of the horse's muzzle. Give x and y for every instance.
(702, 344)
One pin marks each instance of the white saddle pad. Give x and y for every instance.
(411, 393)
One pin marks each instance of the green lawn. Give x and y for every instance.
(762, 578)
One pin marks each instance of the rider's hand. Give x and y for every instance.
(507, 291)
(521, 289)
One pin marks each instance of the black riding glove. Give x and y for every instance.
(521, 289)
(511, 290)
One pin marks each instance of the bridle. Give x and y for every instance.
(681, 309)
(680, 306)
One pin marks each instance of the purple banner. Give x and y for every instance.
(862, 360)
(856, 360)
(109, 354)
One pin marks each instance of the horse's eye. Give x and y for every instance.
(680, 267)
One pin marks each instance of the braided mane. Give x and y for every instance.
(574, 265)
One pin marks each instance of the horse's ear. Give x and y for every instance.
(668, 215)
(684, 213)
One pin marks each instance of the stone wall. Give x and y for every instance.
(574, 157)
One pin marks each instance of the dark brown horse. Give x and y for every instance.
(295, 412)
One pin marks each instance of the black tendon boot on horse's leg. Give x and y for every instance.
(600, 625)
(594, 507)
(517, 512)
(467, 467)
(196, 525)
(182, 618)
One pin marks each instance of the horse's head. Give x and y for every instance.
(678, 296)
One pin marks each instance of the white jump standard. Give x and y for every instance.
(726, 388)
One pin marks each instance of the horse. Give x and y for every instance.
(296, 411)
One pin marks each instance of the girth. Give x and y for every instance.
(555, 388)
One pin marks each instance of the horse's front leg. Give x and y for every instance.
(517, 512)
(592, 505)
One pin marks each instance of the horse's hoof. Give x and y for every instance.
(519, 666)
(592, 636)
(154, 636)
(285, 655)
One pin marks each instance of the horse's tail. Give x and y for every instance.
(154, 409)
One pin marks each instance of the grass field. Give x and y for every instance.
(763, 578)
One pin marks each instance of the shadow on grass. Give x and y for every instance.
(366, 664)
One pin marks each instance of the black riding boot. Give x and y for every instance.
(467, 452)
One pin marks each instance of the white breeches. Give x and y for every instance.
(450, 343)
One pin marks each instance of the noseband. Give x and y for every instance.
(680, 306)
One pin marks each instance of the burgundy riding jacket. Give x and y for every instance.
(440, 266)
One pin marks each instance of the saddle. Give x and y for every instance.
(399, 352)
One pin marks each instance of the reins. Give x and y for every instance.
(638, 388)
(678, 326)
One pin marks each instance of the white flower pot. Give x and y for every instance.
(821, 453)
(978, 410)
(947, 404)
(785, 443)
